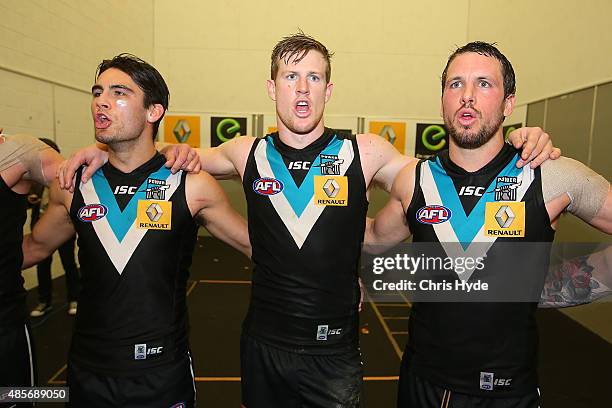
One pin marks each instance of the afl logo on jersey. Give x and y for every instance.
(92, 212)
(267, 186)
(433, 214)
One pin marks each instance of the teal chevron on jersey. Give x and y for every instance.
(298, 197)
(467, 226)
(121, 221)
(117, 231)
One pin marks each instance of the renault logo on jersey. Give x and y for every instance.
(504, 216)
(155, 215)
(154, 212)
(505, 219)
(331, 188)
(331, 191)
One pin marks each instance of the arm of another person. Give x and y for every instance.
(211, 208)
(29, 159)
(52, 229)
(578, 281)
(381, 162)
(223, 162)
(568, 185)
(390, 226)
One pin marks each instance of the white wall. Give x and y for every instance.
(388, 54)
(555, 46)
(49, 51)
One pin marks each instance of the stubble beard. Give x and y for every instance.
(466, 139)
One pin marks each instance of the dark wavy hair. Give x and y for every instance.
(145, 76)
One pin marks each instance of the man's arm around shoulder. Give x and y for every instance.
(210, 206)
(52, 229)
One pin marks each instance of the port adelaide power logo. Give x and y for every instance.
(156, 189)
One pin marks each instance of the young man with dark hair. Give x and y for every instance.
(146, 77)
(473, 353)
(136, 233)
(300, 338)
(23, 160)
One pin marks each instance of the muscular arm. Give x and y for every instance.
(390, 226)
(52, 229)
(579, 281)
(25, 157)
(222, 162)
(211, 208)
(568, 185)
(380, 161)
(228, 159)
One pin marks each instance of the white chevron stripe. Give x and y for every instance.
(481, 243)
(121, 252)
(299, 227)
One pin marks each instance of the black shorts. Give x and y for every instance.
(167, 386)
(17, 362)
(275, 378)
(416, 392)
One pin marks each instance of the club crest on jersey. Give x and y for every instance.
(156, 189)
(433, 214)
(505, 188)
(92, 212)
(330, 164)
(267, 186)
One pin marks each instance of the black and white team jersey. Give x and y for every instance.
(478, 348)
(136, 237)
(306, 215)
(12, 294)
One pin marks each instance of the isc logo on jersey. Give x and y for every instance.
(154, 214)
(433, 214)
(141, 351)
(488, 381)
(323, 332)
(267, 186)
(92, 212)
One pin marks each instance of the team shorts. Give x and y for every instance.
(168, 386)
(276, 378)
(416, 392)
(17, 362)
